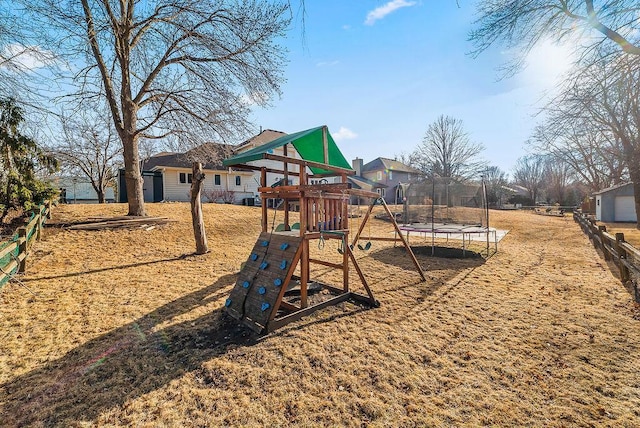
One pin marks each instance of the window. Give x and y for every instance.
(216, 179)
(379, 175)
(380, 192)
(390, 175)
(237, 180)
(189, 178)
(183, 177)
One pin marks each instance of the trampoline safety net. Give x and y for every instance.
(445, 201)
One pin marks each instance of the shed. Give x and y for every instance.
(616, 204)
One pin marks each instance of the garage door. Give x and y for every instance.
(625, 209)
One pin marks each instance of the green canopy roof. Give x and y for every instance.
(309, 144)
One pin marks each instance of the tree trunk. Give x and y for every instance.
(634, 174)
(199, 232)
(101, 196)
(133, 177)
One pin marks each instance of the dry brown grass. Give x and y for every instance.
(127, 330)
(630, 230)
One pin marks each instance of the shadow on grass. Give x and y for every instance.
(398, 256)
(87, 272)
(123, 364)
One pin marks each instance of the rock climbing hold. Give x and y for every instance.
(264, 265)
(246, 284)
(254, 257)
(265, 306)
(265, 243)
(227, 303)
(262, 290)
(277, 282)
(283, 265)
(284, 246)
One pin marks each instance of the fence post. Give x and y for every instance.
(49, 209)
(22, 248)
(605, 249)
(622, 255)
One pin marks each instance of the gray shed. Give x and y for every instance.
(616, 203)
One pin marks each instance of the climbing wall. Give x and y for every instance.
(259, 282)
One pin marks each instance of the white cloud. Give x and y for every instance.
(25, 58)
(344, 134)
(382, 11)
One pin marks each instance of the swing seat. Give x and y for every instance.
(366, 246)
(280, 227)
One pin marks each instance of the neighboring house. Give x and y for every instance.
(80, 191)
(167, 177)
(383, 175)
(266, 136)
(616, 203)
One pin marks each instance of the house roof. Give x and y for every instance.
(309, 144)
(211, 154)
(609, 189)
(379, 164)
(265, 136)
(362, 183)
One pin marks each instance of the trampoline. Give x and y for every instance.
(462, 232)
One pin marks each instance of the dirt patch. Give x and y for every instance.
(127, 329)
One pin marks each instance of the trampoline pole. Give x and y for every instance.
(433, 201)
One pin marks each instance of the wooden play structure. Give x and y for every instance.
(258, 297)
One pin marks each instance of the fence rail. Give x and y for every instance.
(614, 248)
(14, 252)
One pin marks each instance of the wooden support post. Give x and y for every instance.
(404, 242)
(286, 183)
(364, 222)
(325, 145)
(263, 183)
(22, 248)
(304, 273)
(361, 275)
(49, 210)
(622, 254)
(605, 249)
(345, 261)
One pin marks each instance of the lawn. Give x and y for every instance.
(125, 327)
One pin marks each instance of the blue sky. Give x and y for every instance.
(379, 72)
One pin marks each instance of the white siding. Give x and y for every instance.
(625, 209)
(176, 191)
(598, 207)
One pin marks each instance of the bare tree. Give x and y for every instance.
(594, 154)
(447, 151)
(519, 25)
(529, 173)
(166, 67)
(607, 96)
(496, 183)
(558, 177)
(90, 147)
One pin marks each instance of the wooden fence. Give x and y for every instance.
(614, 248)
(14, 252)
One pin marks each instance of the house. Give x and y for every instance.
(167, 177)
(78, 190)
(383, 175)
(616, 203)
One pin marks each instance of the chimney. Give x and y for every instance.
(357, 166)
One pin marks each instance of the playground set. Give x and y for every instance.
(258, 297)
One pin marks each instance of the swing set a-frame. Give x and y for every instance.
(258, 297)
